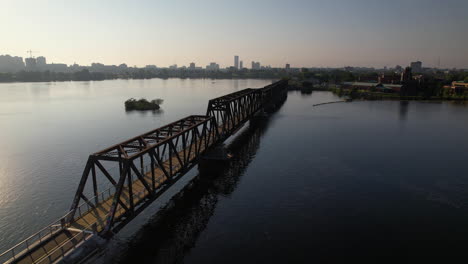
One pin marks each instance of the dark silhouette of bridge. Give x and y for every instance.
(119, 182)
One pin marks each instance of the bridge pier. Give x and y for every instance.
(168, 152)
(214, 160)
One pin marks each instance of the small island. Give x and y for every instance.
(142, 104)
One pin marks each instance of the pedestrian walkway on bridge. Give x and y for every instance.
(121, 181)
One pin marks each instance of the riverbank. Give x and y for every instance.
(353, 179)
(86, 75)
(371, 96)
(92, 113)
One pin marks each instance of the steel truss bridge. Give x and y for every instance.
(121, 181)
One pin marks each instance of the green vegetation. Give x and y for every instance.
(429, 86)
(142, 104)
(372, 95)
(86, 75)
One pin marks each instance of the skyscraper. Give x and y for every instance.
(30, 63)
(213, 66)
(241, 65)
(236, 62)
(11, 64)
(255, 65)
(41, 61)
(407, 75)
(416, 67)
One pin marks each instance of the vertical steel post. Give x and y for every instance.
(95, 188)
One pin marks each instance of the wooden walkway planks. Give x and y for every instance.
(65, 239)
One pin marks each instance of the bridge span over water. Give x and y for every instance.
(121, 181)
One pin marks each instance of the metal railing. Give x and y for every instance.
(65, 247)
(31, 241)
(49, 231)
(37, 239)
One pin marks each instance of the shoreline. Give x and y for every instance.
(372, 96)
(131, 79)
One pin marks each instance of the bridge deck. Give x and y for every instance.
(59, 243)
(57, 240)
(53, 247)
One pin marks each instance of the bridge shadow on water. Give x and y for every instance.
(174, 230)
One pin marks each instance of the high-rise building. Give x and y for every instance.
(241, 65)
(30, 63)
(192, 65)
(407, 75)
(11, 64)
(288, 66)
(416, 67)
(398, 69)
(213, 66)
(236, 62)
(41, 61)
(255, 65)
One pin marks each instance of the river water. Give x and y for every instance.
(306, 183)
(49, 129)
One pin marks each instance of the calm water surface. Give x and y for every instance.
(306, 183)
(346, 181)
(49, 129)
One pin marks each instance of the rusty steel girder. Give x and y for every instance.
(167, 152)
(125, 178)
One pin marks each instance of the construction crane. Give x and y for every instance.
(31, 52)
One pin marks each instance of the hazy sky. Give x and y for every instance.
(303, 33)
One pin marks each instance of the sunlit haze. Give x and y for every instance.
(233, 131)
(303, 33)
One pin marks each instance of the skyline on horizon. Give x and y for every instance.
(198, 66)
(302, 33)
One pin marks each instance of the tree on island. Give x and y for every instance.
(143, 104)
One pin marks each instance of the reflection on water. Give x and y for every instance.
(49, 129)
(174, 230)
(156, 112)
(403, 110)
(306, 92)
(375, 177)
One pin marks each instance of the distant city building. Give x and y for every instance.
(288, 66)
(30, 63)
(57, 67)
(173, 67)
(255, 65)
(416, 67)
(212, 67)
(41, 62)
(151, 67)
(398, 69)
(192, 65)
(236, 62)
(459, 87)
(407, 75)
(11, 64)
(386, 88)
(241, 65)
(389, 78)
(97, 67)
(75, 67)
